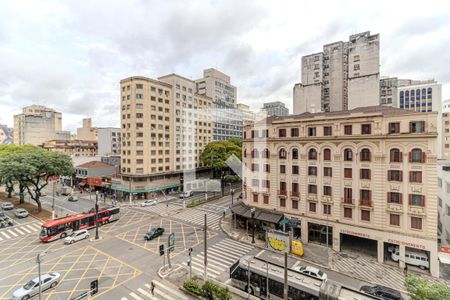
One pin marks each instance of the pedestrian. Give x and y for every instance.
(152, 288)
(405, 270)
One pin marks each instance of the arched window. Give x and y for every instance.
(402, 95)
(424, 93)
(282, 153)
(395, 155)
(266, 153)
(429, 93)
(365, 154)
(245, 152)
(417, 155)
(312, 154)
(418, 94)
(327, 154)
(348, 155)
(295, 153)
(255, 153)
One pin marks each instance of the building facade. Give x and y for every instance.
(444, 201)
(109, 140)
(38, 124)
(6, 135)
(165, 125)
(344, 76)
(226, 118)
(276, 108)
(87, 132)
(366, 176)
(73, 148)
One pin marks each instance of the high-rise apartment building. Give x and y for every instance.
(443, 193)
(342, 77)
(276, 108)
(366, 176)
(164, 125)
(226, 119)
(87, 132)
(38, 124)
(108, 140)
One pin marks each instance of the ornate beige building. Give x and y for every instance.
(73, 148)
(369, 174)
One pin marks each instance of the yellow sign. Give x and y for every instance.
(277, 244)
(297, 247)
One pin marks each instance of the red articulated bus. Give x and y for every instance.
(62, 227)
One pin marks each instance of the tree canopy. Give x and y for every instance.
(424, 289)
(216, 153)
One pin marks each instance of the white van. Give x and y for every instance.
(186, 194)
(413, 258)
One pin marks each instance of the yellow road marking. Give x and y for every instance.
(82, 277)
(184, 238)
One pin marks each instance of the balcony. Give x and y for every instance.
(394, 207)
(348, 201)
(282, 193)
(416, 210)
(295, 194)
(366, 203)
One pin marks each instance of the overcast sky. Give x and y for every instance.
(71, 55)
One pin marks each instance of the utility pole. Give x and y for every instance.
(206, 249)
(267, 279)
(53, 200)
(38, 260)
(129, 188)
(285, 276)
(96, 215)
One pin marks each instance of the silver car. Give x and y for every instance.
(7, 206)
(21, 213)
(32, 287)
(149, 203)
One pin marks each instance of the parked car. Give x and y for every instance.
(7, 206)
(30, 289)
(414, 258)
(3, 217)
(314, 272)
(76, 236)
(72, 199)
(149, 203)
(382, 292)
(21, 213)
(154, 233)
(186, 194)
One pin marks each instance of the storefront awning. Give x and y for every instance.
(262, 215)
(118, 188)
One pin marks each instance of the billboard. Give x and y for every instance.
(6, 135)
(278, 241)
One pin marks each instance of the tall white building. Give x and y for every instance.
(443, 193)
(108, 140)
(276, 108)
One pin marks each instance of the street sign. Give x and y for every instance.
(161, 250)
(94, 287)
(171, 242)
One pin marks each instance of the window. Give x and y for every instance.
(327, 171)
(255, 182)
(326, 154)
(416, 176)
(139, 86)
(348, 195)
(416, 200)
(312, 154)
(282, 132)
(394, 127)
(283, 169)
(394, 197)
(266, 153)
(266, 199)
(312, 206)
(294, 204)
(255, 153)
(282, 186)
(295, 188)
(348, 155)
(245, 152)
(255, 167)
(294, 169)
(394, 219)
(395, 155)
(366, 129)
(348, 173)
(348, 129)
(267, 168)
(312, 189)
(416, 223)
(417, 155)
(282, 202)
(347, 212)
(365, 215)
(139, 96)
(327, 131)
(294, 132)
(327, 209)
(311, 131)
(312, 171)
(327, 190)
(294, 153)
(255, 197)
(395, 175)
(416, 126)
(365, 154)
(282, 154)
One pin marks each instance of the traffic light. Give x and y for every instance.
(190, 251)
(94, 287)
(161, 250)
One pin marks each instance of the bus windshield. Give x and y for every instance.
(43, 232)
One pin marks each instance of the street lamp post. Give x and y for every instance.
(38, 260)
(53, 199)
(232, 195)
(96, 215)
(253, 210)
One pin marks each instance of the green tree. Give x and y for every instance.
(237, 141)
(9, 177)
(424, 289)
(33, 167)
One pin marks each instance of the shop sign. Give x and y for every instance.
(278, 241)
(407, 244)
(364, 235)
(94, 181)
(297, 248)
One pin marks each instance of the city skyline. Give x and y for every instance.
(263, 63)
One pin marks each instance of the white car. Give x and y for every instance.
(76, 236)
(32, 287)
(21, 213)
(149, 203)
(7, 206)
(314, 272)
(186, 194)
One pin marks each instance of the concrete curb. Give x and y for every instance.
(175, 267)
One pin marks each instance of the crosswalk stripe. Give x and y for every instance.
(218, 257)
(19, 231)
(32, 228)
(123, 298)
(201, 258)
(1, 239)
(37, 226)
(202, 266)
(12, 232)
(5, 235)
(244, 246)
(228, 256)
(230, 248)
(201, 271)
(181, 296)
(25, 229)
(147, 294)
(136, 296)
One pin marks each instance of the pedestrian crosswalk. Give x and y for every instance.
(162, 291)
(221, 257)
(197, 217)
(19, 230)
